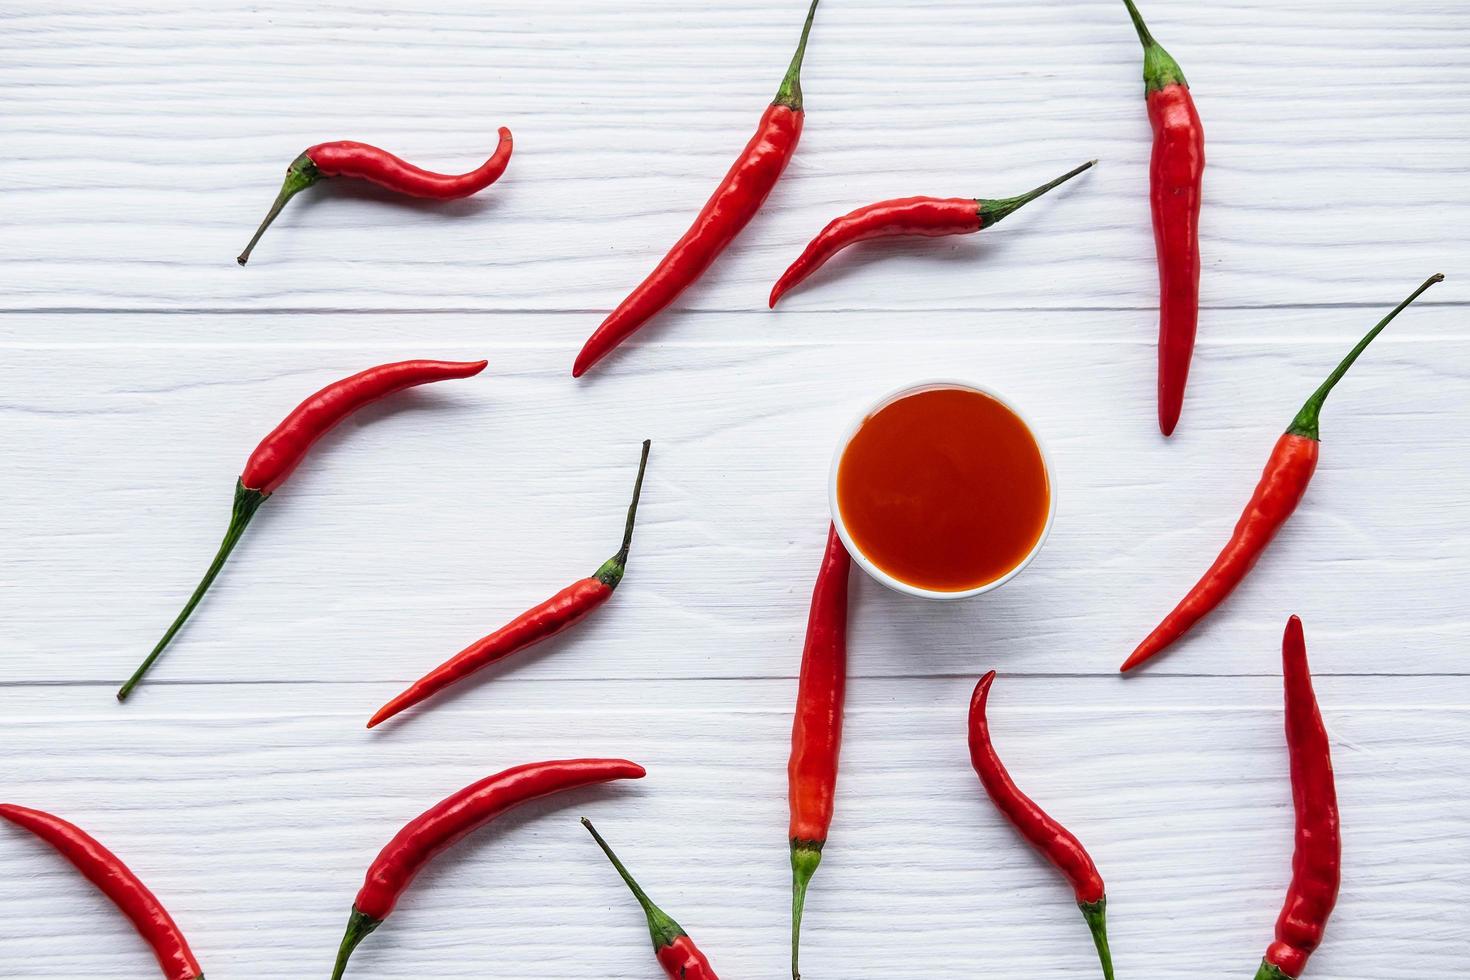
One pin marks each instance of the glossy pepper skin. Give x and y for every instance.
(346, 158)
(735, 201)
(1287, 474)
(561, 612)
(1316, 866)
(816, 732)
(675, 951)
(113, 878)
(1050, 839)
(286, 446)
(1176, 178)
(930, 217)
(436, 829)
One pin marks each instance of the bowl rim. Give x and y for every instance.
(867, 565)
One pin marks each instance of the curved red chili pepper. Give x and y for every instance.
(734, 202)
(113, 878)
(1176, 176)
(1050, 839)
(280, 452)
(1278, 492)
(346, 158)
(931, 217)
(1316, 867)
(816, 731)
(446, 822)
(676, 952)
(565, 609)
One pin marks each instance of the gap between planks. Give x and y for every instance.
(692, 311)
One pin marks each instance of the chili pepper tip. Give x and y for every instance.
(982, 692)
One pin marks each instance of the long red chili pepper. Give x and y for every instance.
(676, 952)
(931, 217)
(280, 452)
(345, 158)
(123, 888)
(565, 609)
(1050, 839)
(1316, 867)
(1176, 176)
(445, 823)
(1280, 489)
(736, 200)
(816, 732)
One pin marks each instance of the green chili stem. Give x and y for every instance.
(994, 210)
(1159, 69)
(1096, 914)
(789, 94)
(1138, 24)
(805, 856)
(359, 926)
(247, 502)
(1305, 423)
(1270, 971)
(611, 572)
(299, 176)
(665, 930)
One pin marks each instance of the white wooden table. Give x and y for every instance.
(141, 141)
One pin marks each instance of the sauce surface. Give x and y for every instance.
(944, 489)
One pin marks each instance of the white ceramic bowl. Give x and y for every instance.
(877, 573)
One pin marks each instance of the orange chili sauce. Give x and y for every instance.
(944, 489)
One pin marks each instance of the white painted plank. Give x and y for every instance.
(432, 519)
(256, 828)
(140, 143)
(144, 142)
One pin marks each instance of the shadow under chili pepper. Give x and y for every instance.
(657, 331)
(412, 401)
(323, 454)
(853, 262)
(489, 674)
(947, 638)
(436, 878)
(334, 193)
(463, 207)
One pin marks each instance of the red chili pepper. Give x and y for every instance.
(565, 609)
(727, 212)
(345, 158)
(445, 823)
(1280, 489)
(816, 733)
(280, 452)
(113, 878)
(676, 952)
(1176, 174)
(1050, 839)
(1316, 867)
(931, 217)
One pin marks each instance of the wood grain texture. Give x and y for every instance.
(257, 827)
(141, 141)
(429, 521)
(145, 140)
